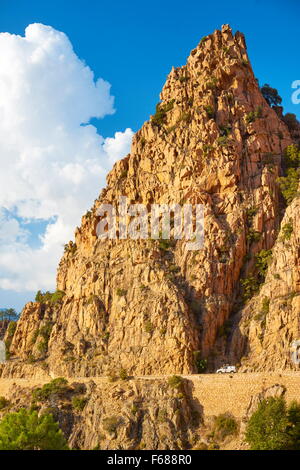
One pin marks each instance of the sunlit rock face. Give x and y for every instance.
(153, 308)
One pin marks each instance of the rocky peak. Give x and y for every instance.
(152, 307)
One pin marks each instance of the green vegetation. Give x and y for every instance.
(162, 415)
(291, 121)
(57, 387)
(225, 425)
(44, 332)
(264, 310)
(123, 374)
(253, 115)
(159, 118)
(250, 214)
(111, 424)
(49, 297)
(183, 78)
(70, 247)
(11, 328)
(251, 286)
(287, 231)
(175, 381)
(79, 403)
(222, 140)
(210, 111)
(207, 148)
(212, 83)
(265, 306)
(164, 245)
(3, 403)
(274, 426)
(8, 314)
(263, 259)
(149, 328)
(25, 430)
(225, 329)
(10, 334)
(200, 363)
(271, 95)
(121, 292)
(289, 183)
(253, 236)
(292, 156)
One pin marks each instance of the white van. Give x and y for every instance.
(226, 370)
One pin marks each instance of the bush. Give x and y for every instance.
(250, 285)
(289, 184)
(44, 332)
(11, 329)
(49, 297)
(225, 425)
(271, 95)
(291, 121)
(200, 363)
(25, 430)
(222, 140)
(149, 328)
(123, 374)
(79, 403)
(183, 79)
(10, 334)
(273, 426)
(212, 83)
(253, 236)
(210, 111)
(292, 156)
(121, 292)
(159, 118)
(111, 424)
(250, 214)
(287, 231)
(253, 115)
(3, 403)
(265, 306)
(55, 387)
(263, 259)
(175, 381)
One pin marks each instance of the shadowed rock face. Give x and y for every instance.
(147, 307)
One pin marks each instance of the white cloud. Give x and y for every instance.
(53, 163)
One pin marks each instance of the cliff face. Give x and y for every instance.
(270, 322)
(153, 307)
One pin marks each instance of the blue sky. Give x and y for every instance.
(133, 46)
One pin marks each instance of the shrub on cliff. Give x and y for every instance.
(25, 430)
(56, 387)
(3, 403)
(79, 403)
(225, 425)
(175, 381)
(290, 182)
(271, 95)
(274, 426)
(49, 297)
(159, 118)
